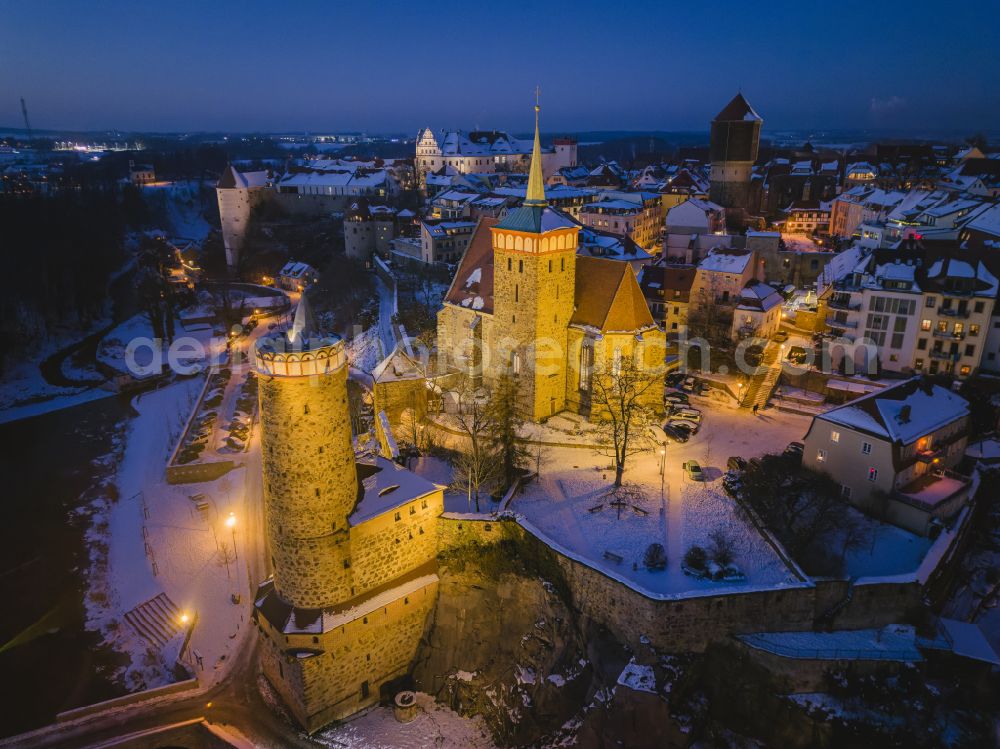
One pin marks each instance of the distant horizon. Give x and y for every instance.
(856, 134)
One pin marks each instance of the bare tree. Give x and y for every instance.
(477, 464)
(619, 405)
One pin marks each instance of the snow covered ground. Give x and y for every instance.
(568, 503)
(154, 540)
(188, 346)
(25, 392)
(435, 727)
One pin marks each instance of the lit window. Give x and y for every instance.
(872, 474)
(925, 324)
(821, 456)
(866, 448)
(834, 436)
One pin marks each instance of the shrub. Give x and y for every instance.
(655, 557)
(696, 558)
(721, 548)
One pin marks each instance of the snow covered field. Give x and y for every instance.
(435, 727)
(568, 504)
(154, 540)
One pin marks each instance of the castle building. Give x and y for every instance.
(733, 144)
(485, 152)
(352, 544)
(524, 302)
(238, 192)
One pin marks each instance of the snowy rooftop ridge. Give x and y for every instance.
(901, 413)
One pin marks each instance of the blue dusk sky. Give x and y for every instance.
(394, 66)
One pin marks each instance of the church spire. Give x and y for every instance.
(536, 184)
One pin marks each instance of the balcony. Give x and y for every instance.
(963, 313)
(833, 322)
(949, 336)
(843, 304)
(945, 355)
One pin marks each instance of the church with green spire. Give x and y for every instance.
(523, 302)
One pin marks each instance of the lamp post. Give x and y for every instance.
(231, 523)
(663, 466)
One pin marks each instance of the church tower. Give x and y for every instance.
(733, 144)
(534, 267)
(310, 480)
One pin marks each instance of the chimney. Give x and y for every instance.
(904, 414)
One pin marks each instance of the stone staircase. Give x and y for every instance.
(157, 620)
(764, 378)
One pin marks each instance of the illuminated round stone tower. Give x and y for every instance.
(310, 478)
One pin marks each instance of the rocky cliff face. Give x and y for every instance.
(506, 647)
(505, 642)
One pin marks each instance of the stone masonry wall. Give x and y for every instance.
(692, 623)
(343, 670)
(384, 548)
(310, 484)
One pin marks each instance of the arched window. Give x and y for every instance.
(518, 243)
(515, 363)
(509, 241)
(528, 244)
(545, 245)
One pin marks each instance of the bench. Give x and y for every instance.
(611, 556)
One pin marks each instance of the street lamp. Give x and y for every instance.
(231, 524)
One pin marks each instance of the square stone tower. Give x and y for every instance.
(534, 272)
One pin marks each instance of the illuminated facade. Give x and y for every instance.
(352, 544)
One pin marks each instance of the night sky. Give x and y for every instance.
(394, 67)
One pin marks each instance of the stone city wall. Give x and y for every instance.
(691, 623)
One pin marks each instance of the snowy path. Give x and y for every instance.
(386, 309)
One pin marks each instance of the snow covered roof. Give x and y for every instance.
(384, 487)
(232, 178)
(987, 222)
(895, 642)
(901, 413)
(726, 261)
(738, 109)
(759, 296)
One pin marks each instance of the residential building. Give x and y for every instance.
(444, 241)
(667, 289)
(696, 216)
(639, 215)
(955, 317)
(891, 452)
(808, 217)
(295, 276)
(758, 311)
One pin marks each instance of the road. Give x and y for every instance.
(236, 701)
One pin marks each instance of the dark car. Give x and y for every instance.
(677, 434)
(736, 463)
(680, 399)
(674, 379)
(797, 355)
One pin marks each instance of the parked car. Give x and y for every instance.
(684, 412)
(736, 463)
(673, 379)
(677, 398)
(676, 434)
(795, 447)
(688, 385)
(691, 426)
(781, 336)
(693, 470)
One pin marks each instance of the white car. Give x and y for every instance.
(691, 426)
(690, 414)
